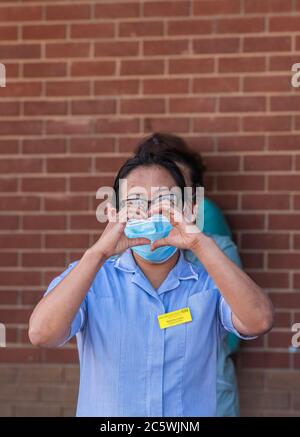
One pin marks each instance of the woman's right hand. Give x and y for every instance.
(113, 240)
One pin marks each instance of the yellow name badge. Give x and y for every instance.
(174, 318)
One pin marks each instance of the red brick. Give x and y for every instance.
(189, 27)
(17, 278)
(216, 7)
(267, 44)
(19, 203)
(216, 124)
(67, 88)
(242, 104)
(104, 106)
(246, 221)
(192, 104)
(166, 123)
(144, 106)
(45, 69)
(241, 182)
(115, 125)
(222, 163)
(216, 45)
(283, 260)
(20, 51)
(166, 8)
(190, 66)
(109, 164)
(261, 6)
(92, 30)
(68, 12)
(24, 165)
(44, 32)
(285, 103)
(11, 296)
(282, 62)
(9, 108)
(165, 47)
(283, 142)
(265, 241)
(267, 84)
(8, 33)
(44, 145)
(93, 68)
(168, 86)
(285, 300)
(267, 162)
(70, 126)
(266, 123)
(284, 182)
(92, 144)
(240, 25)
(296, 280)
(265, 359)
(116, 87)
(8, 146)
(141, 28)
(284, 24)
(216, 85)
(67, 50)
(116, 48)
(20, 241)
(86, 221)
(265, 201)
(284, 221)
(22, 89)
(252, 260)
(297, 201)
(9, 222)
(38, 259)
(20, 13)
(24, 127)
(89, 183)
(68, 165)
(42, 184)
(45, 221)
(64, 202)
(67, 241)
(282, 319)
(240, 143)
(243, 64)
(142, 67)
(21, 355)
(117, 10)
(39, 108)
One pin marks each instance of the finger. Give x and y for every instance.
(123, 215)
(138, 241)
(136, 212)
(111, 212)
(159, 243)
(173, 213)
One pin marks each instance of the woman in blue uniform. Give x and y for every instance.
(149, 323)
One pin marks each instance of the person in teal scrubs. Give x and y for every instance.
(216, 226)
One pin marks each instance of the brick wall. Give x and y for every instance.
(85, 80)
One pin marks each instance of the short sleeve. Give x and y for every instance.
(225, 316)
(79, 320)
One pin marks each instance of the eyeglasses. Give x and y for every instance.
(139, 202)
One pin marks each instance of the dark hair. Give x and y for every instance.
(149, 160)
(173, 147)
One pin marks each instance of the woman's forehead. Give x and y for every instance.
(147, 181)
(152, 176)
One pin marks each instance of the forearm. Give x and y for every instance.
(51, 319)
(251, 308)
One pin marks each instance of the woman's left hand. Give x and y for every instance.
(184, 235)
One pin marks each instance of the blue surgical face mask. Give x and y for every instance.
(153, 228)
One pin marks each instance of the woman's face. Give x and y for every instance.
(147, 182)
